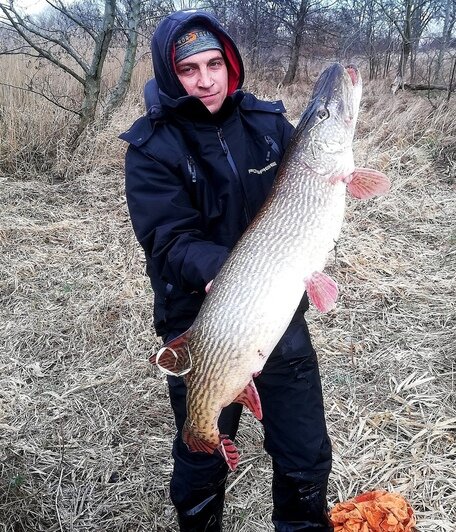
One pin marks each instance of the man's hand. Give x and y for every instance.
(208, 286)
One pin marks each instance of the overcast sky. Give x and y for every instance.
(31, 7)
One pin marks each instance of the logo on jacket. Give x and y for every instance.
(262, 170)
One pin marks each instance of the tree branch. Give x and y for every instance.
(425, 87)
(20, 25)
(392, 19)
(62, 9)
(57, 104)
(104, 38)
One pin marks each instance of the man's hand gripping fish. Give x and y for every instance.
(282, 253)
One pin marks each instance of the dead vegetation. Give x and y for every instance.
(85, 426)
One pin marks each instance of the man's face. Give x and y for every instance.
(205, 76)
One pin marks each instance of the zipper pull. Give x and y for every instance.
(222, 140)
(191, 168)
(272, 146)
(268, 139)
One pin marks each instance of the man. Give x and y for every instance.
(199, 166)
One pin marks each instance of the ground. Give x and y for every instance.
(85, 425)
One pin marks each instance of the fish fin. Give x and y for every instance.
(196, 444)
(249, 397)
(229, 452)
(226, 447)
(365, 183)
(174, 357)
(322, 291)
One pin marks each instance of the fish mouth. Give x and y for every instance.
(333, 79)
(336, 92)
(353, 72)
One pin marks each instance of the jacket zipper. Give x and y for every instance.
(191, 168)
(233, 166)
(272, 146)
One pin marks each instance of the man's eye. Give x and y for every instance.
(185, 70)
(216, 64)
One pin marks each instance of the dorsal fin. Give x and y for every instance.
(174, 357)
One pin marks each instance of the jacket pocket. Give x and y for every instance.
(202, 193)
(273, 147)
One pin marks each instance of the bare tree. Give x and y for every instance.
(75, 39)
(421, 16)
(377, 39)
(449, 19)
(130, 16)
(293, 17)
(410, 18)
(222, 9)
(187, 4)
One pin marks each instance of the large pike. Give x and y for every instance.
(281, 254)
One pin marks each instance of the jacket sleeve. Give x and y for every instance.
(167, 226)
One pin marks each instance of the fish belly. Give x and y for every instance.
(253, 300)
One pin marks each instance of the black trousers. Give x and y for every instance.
(295, 437)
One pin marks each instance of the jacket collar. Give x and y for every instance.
(159, 105)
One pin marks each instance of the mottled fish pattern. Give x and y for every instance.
(282, 253)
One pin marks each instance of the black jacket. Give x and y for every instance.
(194, 180)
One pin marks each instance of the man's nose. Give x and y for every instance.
(205, 79)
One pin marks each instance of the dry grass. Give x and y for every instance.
(85, 425)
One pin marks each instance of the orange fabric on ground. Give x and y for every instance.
(375, 511)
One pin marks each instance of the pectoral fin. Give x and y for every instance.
(365, 183)
(249, 397)
(322, 291)
(174, 357)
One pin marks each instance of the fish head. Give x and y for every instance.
(325, 132)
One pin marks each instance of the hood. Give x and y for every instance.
(163, 51)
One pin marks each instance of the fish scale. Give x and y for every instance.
(282, 253)
(245, 315)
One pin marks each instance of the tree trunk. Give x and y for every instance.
(93, 78)
(294, 60)
(452, 76)
(406, 47)
(445, 42)
(387, 63)
(120, 91)
(413, 54)
(254, 37)
(298, 29)
(88, 107)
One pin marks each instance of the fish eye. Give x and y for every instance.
(322, 114)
